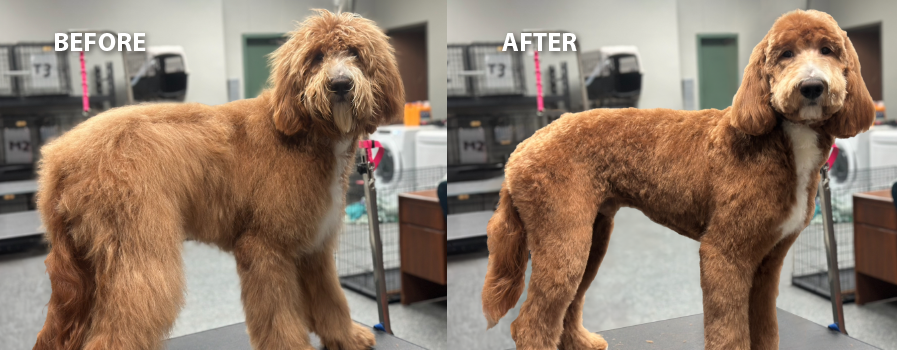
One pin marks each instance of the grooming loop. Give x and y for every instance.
(831, 247)
(366, 169)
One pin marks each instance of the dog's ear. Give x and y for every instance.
(289, 113)
(389, 92)
(752, 111)
(858, 111)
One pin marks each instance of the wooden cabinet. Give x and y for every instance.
(422, 246)
(875, 246)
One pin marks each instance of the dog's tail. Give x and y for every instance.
(72, 280)
(507, 260)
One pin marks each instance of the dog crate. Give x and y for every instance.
(19, 140)
(497, 72)
(353, 257)
(809, 254)
(490, 138)
(43, 70)
(469, 203)
(7, 80)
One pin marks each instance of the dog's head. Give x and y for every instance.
(336, 76)
(806, 70)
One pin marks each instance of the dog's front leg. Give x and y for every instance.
(270, 295)
(726, 281)
(765, 289)
(325, 308)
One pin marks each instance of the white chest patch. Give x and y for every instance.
(806, 156)
(333, 217)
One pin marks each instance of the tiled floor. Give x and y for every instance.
(213, 300)
(649, 274)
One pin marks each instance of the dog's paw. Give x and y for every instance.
(359, 338)
(582, 339)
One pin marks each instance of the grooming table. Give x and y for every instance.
(234, 337)
(683, 333)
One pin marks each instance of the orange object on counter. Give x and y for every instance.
(412, 114)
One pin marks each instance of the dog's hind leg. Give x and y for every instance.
(139, 282)
(324, 303)
(575, 336)
(270, 293)
(559, 234)
(764, 290)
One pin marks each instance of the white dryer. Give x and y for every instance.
(432, 148)
(883, 148)
(393, 175)
(852, 162)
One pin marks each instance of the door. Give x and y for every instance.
(256, 48)
(410, 44)
(717, 69)
(867, 43)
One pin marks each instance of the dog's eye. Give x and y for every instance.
(319, 57)
(825, 51)
(353, 52)
(788, 54)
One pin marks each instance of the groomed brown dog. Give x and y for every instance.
(741, 181)
(263, 177)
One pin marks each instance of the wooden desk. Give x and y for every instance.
(422, 246)
(875, 246)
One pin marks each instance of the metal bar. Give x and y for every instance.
(831, 248)
(370, 195)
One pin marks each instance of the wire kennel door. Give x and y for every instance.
(7, 82)
(810, 267)
(353, 257)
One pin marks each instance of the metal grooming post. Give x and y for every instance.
(366, 168)
(831, 249)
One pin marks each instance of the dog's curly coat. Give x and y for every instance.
(263, 177)
(741, 181)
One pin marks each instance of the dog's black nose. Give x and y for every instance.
(341, 85)
(811, 88)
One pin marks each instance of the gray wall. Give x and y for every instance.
(750, 20)
(194, 24)
(649, 24)
(260, 17)
(851, 14)
(211, 32)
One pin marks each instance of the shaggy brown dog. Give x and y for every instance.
(263, 177)
(741, 181)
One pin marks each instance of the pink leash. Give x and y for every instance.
(540, 105)
(85, 98)
(833, 156)
(367, 145)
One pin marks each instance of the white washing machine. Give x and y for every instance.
(883, 148)
(399, 143)
(853, 156)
